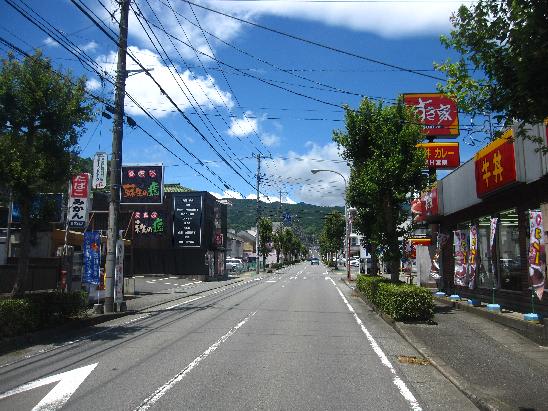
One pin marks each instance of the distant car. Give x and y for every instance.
(233, 264)
(314, 261)
(354, 263)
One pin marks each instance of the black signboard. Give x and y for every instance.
(44, 206)
(142, 184)
(187, 220)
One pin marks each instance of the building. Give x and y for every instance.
(483, 212)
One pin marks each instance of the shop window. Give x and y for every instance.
(509, 256)
(486, 269)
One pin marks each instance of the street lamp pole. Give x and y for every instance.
(346, 219)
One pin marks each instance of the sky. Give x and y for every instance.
(272, 82)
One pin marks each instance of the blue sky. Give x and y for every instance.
(291, 119)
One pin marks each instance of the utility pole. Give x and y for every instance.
(116, 159)
(258, 208)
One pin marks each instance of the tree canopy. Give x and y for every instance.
(265, 237)
(380, 142)
(42, 114)
(504, 50)
(332, 235)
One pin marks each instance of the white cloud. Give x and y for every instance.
(50, 42)
(242, 127)
(145, 91)
(388, 19)
(91, 46)
(323, 188)
(93, 84)
(270, 140)
(227, 194)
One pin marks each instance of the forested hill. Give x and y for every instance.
(304, 217)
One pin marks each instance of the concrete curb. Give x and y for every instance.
(480, 400)
(23, 341)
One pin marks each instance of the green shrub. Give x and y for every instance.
(403, 302)
(17, 316)
(35, 311)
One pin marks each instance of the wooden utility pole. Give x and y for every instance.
(116, 159)
(258, 209)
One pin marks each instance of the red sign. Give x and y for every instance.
(79, 187)
(436, 111)
(426, 206)
(495, 165)
(442, 155)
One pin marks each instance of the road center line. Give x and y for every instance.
(160, 392)
(398, 382)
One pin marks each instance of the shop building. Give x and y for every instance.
(493, 195)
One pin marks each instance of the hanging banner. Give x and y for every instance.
(142, 184)
(119, 272)
(437, 112)
(472, 261)
(441, 156)
(537, 256)
(99, 170)
(495, 165)
(460, 257)
(149, 222)
(435, 267)
(92, 257)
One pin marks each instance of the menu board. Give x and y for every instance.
(187, 220)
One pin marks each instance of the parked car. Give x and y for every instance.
(234, 264)
(355, 262)
(314, 261)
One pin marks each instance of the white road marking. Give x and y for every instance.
(270, 281)
(160, 392)
(173, 278)
(167, 283)
(150, 282)
(304, 278)
(67, 383)
(139, 276)
(398, 382)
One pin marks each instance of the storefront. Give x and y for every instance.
(489, 205)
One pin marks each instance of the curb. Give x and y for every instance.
(23, 341)
(480, 400)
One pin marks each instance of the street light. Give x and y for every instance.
(347, 229)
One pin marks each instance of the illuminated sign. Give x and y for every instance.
(495, 165)
(442, 155)
(437, 112)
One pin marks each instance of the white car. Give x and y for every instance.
(354, 263)
(233, 264)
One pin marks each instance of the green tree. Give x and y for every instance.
(287, 243)
(277, 238)
(507, 42)
(265, 237)
(42, 114)
(381, 144)
(332, 236)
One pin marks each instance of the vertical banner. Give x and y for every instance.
(537, 256)
(435, 267)
(119, 272)
(472, 261)
(492, 243)
(92, 257)
(78, 203)
(460, 257)
(99, 170)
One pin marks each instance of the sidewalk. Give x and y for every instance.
(497, 368)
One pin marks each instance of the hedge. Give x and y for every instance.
(403, 302)
(35, 311)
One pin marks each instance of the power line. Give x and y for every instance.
(311, 42)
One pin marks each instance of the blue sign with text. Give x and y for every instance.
(92, 257)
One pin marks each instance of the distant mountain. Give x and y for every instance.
(306, 219)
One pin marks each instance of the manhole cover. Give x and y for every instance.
(409, 359)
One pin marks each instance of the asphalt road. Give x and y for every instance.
(292, 340)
